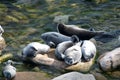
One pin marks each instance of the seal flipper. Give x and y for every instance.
(52, 44)
(75, 39)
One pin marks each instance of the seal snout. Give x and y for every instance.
(69, 60)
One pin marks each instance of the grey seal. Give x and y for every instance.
(73, 54)
(83, 34)
(88, 49)
(9, 71)
(54, 38)
(33, 48)
(61, 47)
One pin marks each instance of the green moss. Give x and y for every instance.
(9, 18)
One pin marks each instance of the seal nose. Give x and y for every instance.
(69, 61)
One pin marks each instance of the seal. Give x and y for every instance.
(83, 34)
(54, 38)
(9, 71)
(60, 49)
(88, 50)
(73, 54)
(33, 48)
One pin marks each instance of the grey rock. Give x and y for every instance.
(62, 19)
(108, 36)
(75, 76)
(110, 60)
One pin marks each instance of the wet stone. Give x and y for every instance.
(75, 76)
(99, 76)
(110, 60)
(62, 18)
(31, 76)
(115, 74)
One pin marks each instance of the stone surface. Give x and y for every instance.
(2, 43)
(31, 76)
(75, 76)
(27, 1)
(110, 60)
(62, 19)
(99, 76)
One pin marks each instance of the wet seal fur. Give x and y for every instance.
(83, 34)
(9, 71)
(54, 38)
(110, 60)
(73, 54)
(34, 48)
(60, 49)
(88, 50)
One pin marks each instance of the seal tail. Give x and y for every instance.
(100, 32)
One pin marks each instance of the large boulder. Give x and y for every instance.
(75, 76)
(110, 60)
(2, 40)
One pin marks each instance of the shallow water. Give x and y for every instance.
(25, 23)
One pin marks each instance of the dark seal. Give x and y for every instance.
(83, 34)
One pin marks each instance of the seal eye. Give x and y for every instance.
(75, 50)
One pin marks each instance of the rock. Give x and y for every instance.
(115, 74)
(50, 60)
(99, 76)
(27, 2)
(62, 19)
(2, 41)
(31, 76)
(75, 76)
(5, 57)
(100, 1)
(110, 60)
(108, 36)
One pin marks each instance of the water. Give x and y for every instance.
(25, 23)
